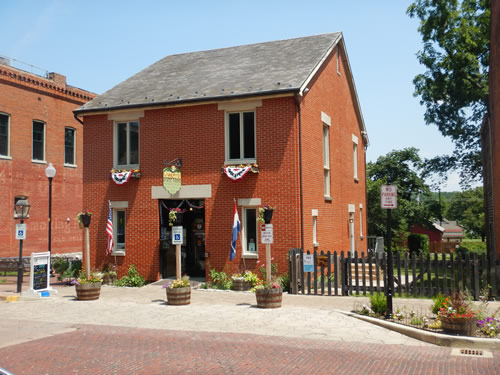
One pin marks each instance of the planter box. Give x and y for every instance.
(241, 285)
(179, 296)
(459, 326)
(88, 292)
(269, 298)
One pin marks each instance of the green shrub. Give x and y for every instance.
(59, 265)
(69, 271)
(472, 246)
(418, 243)
(284, 281)
(378, 303)
(438, 303)
(131, 279)
(220, 280)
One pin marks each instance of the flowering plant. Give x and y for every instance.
(92, 278)
(261, 212)
(247, 276)
(79, 217)
(172, 215)
(264, 285)
(456, 306)
(489, 327)
(179, 283)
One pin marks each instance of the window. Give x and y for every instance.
(355, 156)
(119, 232)
(69, 146)
(38, 141)
(240, 137)
(361, 220)
(315, 228)
(326, 153)
(126, 142)
(4, 135)
(249, 232)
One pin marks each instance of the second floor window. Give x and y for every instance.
(4, 134)
(38, 140)
(240, 137)
(69, 146)
(126, 146)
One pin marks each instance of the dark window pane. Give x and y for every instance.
(69, 146)
(134, 142)
(38, 140)
(120, 227)
(4, 134)
(251, 229)
(122, 144)
(249, 135)
(234, 136)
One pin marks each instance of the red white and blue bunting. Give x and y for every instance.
(236, 173)
(121, 178)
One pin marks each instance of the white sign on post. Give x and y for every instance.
(20, 231)
(388, 196)
(177, 235)
(266, 234)
(308, 263)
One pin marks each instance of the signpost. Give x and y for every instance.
(177, 240)
(266, 237)
(388, 201)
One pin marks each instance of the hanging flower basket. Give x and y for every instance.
(83, 219)
(265, 214)
(175, 216)
(268, 215)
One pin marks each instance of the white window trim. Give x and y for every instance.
(115, 251)
(8, 155)
(115, 145)
(355, 157)
(315, 228)
(226, 137)
(244, 252)
(44, 160)
(326, 120)
(73, 165)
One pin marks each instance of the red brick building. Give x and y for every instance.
(37, 127)
(288, 109)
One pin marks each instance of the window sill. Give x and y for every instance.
(328, 199)
(70, 165)
(5, 157)
(240, 161)
(39, 161)
(250, 256)
(356, 179)
(316, 244)
(118, 253)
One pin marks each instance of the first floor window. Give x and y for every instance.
(249, 231)
(326, 160)
(69, 146)
(38, 140)
(4, 134)
(119, 231)
(240, 136)
(127, 144)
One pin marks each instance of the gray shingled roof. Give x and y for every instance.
(255, 69)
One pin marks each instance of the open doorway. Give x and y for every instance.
(192, 219)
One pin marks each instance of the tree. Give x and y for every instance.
(454, 88)
(467, 208)
(403, 168)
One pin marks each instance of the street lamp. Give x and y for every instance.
(50, 172)
(22, 210)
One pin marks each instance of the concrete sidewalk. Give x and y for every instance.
(311, 317)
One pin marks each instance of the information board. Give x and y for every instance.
(39, 271)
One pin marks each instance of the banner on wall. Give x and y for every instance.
(172, 179)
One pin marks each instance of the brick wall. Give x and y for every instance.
(27, 97)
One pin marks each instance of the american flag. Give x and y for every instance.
(109, 231)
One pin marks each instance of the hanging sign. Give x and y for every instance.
(172, 179)
(308, 263)
(388, 196)
(266, 233)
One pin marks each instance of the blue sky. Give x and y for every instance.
(97, 44)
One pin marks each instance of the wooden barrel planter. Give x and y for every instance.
(269, 298)
(241, 285)
(179, 296)
(88, 292)
(459, 326)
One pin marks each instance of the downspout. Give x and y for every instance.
(76, 118)
(301, 189)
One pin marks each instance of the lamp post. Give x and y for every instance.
(22, 209)
(50, 172)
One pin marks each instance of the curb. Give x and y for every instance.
(9, 298)
(431, 337)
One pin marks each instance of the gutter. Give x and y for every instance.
(301, 188)
(75, 115)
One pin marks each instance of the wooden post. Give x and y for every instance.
(177, 261)
(268, 263)
(87, 251)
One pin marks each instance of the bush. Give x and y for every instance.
(131, 279)
(284, 281)
(220, 280)
(65, 269)
(418, 243)
(472, 246)
(438, 303)
(378, 303)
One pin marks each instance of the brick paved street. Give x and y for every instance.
(118, 350)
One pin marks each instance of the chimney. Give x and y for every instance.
(58, 79)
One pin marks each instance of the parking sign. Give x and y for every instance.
(177, 235)
(20, 231)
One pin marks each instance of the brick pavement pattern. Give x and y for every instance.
(119, 350)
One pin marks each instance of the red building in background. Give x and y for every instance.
(288, 110)
(37, 127)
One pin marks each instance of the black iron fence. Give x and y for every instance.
(343, 273)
